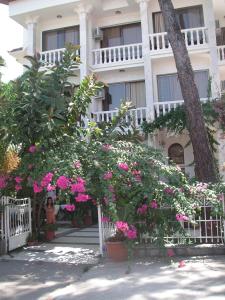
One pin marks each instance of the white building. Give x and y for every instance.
(124, 43)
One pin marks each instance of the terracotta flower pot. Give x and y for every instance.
(117, 251)
(49, 235)
(87, 220)
(75, 223)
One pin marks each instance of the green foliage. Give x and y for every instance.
(175, 121)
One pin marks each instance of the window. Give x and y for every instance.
(57, 39)
(188, 17)
(169, 86)
(121, 35)
(129, 91)
(176, 154)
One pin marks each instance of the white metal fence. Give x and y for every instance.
(204, 228)
(15, 220)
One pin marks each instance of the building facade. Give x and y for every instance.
(125, 44)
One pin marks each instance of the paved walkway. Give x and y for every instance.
(200, 279)
(74, 246)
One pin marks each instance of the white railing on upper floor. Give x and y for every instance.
(133, 117)
(117, 55)
(161, 108)
(52, 57)
(221, 53)
(194, 37)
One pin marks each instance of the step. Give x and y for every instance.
(91, 234)
(77, 240)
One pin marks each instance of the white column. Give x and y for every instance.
(146, 57)
(211, 29)
(84, 42)
(31, 37)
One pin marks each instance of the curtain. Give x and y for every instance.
(129, 91)
(49, 40)
(111, 37)
(202, 82)
(169, 86)
(57, 39)
(131, 34)
(159, 23)
(72, 36)
(191, 17)
(135, 92)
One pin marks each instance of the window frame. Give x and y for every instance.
(177, 10)
(61, 29)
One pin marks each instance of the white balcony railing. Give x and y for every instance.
(54, 56)
(221, 54)
(133, 117)
(161, 108)
(194, 37)
(117, 55)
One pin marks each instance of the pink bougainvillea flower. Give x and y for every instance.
(3, 182)
(131, 234)
(81, 180)
(123, 166)
(154, 204)
(122, 226)
(181, 217)
(168, 191)
(37, 189)
(18, 179)
(47, 179)
(170, 252)
(106, 147)
(63, 182)
(108, 175)
(77, 164)
(181, 264)
(51, 188)
(77, 188)
(32, 149)
(30, 166)
(82, 198)
(105, 219)
(143, 209)
(201, 187)
(18, 187)
(111, 188)
(70, 207)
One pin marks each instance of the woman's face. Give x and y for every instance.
(49, 201)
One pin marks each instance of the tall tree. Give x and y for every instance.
(205, 167)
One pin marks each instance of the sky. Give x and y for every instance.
(11, 37)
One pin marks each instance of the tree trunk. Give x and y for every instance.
(205, 167)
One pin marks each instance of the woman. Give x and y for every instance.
(50, 211)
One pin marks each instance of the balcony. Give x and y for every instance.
(117, 56)
(221, 54)
(50, 58)
(133, 117)
(195, 38)
(161, 108)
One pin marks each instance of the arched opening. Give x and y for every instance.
(176, 155)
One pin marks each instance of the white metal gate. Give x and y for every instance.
(15, 222)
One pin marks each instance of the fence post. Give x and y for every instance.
(100, 230)
(6, 222)
(223, 199)
(30, 221)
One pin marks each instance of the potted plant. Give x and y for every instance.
(32, 239)
(50, 231)
(119, 246)
(75, 214)
(88, 218)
